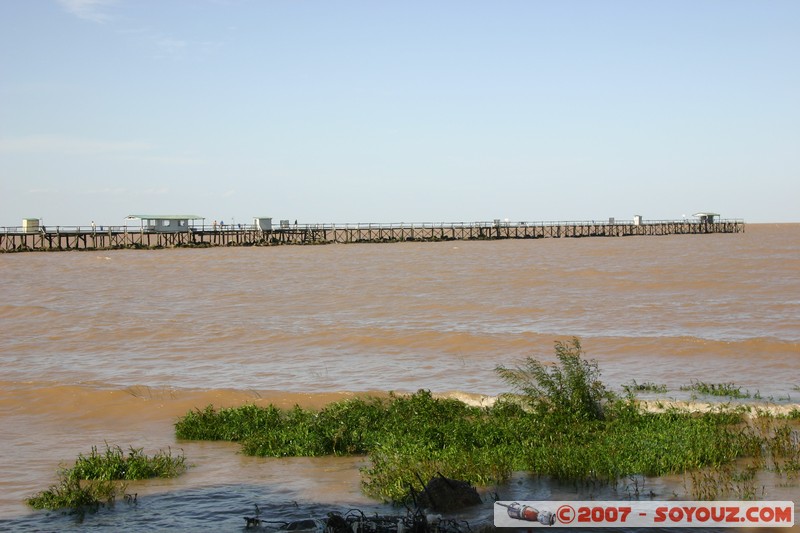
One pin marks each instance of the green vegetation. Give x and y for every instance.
(113, 464)
(94, 479)
(71, 494)
(562, 423)
(729, 390)
(572, 390)
(647, 386)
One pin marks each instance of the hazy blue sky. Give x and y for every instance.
(379, 111)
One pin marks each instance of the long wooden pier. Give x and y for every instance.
(14, 239)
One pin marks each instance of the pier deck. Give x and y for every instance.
(15, 239)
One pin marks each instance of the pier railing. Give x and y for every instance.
(17, 238)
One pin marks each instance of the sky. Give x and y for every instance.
(399, 111)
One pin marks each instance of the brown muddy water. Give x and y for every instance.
(113, 346)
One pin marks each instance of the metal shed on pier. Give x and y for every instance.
(30, 225)
(166, 223)
(263, 223)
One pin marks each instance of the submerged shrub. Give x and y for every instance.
(647, 386)
(729, 390)
(95, 479)
(570, 389)
(70, 493)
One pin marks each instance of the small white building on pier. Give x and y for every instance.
(31, 225)
(706, 218)
(166, 223)
(263, 223)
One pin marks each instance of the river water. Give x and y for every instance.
(113, 346)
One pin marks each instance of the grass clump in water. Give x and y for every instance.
(341, 428)
(71, 494)
(95, 479)
(647, 386)
(562, 422)
(114, 464)
(227, 424)
(729, 390)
